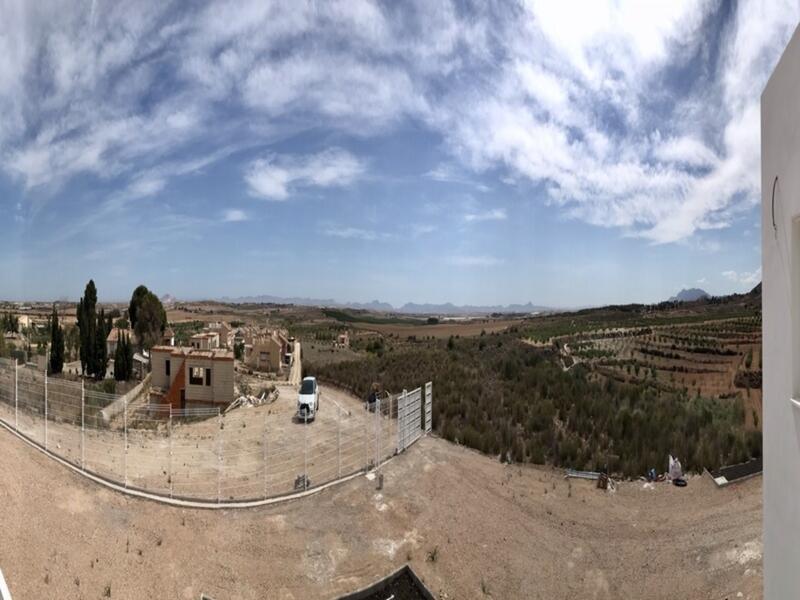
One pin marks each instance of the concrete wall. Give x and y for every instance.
(780, 156)
(221, 388)
(157, 361)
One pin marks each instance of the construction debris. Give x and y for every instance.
(250, 401)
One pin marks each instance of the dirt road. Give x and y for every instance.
(471, 528)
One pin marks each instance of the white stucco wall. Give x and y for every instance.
(780, 156)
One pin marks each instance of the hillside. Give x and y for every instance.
(634, 382)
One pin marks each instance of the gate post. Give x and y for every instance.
(428, 407)
(377, 433)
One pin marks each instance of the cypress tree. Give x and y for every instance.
(100, 349)
(87, 322)
(56, 344)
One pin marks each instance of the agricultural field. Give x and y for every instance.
(616, 386)
(712, 359)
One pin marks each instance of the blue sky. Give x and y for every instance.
(563, 153)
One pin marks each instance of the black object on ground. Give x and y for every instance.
(400, 585)
(680, 482)
(735, 472)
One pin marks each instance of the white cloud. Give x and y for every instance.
(495, 214)
(701, 281)
(234, 215)
(473, 261)
(354, 233)
(567, 95)
(750, 278)
(275, 178)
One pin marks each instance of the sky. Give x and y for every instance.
(562, 153)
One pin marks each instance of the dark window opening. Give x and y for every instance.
(208, 376)
(196, 376)
(166, 367)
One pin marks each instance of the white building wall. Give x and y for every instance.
(780, 156)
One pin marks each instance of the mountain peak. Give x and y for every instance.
(690, 295)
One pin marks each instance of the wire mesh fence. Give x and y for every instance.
(248, 453)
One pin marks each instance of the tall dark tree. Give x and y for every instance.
(56, 344)
(123, 358)
(101, 350)
(150, 321)
(87, 323)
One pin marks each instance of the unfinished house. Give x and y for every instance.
(168, 337)
(223, 331)
(266, 353)
(191, 378)
(204, 341)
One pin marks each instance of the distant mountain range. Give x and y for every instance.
(409, 308)
(690, 295)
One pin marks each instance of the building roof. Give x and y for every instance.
(186, 351)
(114, 334)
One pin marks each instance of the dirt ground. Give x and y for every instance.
(264, 449)
(469, 526)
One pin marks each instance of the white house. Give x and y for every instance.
(780, 255)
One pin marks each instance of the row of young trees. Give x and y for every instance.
(507, 399)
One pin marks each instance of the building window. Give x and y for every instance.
(196, 376)
(166, 367)
(208, 376)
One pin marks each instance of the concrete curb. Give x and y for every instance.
(181, 502)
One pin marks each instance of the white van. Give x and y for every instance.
(308, 399)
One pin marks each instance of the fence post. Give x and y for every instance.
(169, 432)
(46, 360)
(339, 438)
(16, 395)
(125, 441)
(366, 441)
(219, 457)
(305, 452)
(377, 433)
(264, 444)
(83, 428)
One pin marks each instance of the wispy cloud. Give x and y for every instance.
(354, 233)
(495, 214)
(276, 177)
(234, 215)
(473, 261)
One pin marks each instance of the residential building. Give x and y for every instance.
(113, 339)
(780, 255)
(266, 353)
(343, 339)
(223, 331)
(168, 337)
(204, 341)
(190, 378)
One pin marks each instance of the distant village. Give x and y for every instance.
(186, 364)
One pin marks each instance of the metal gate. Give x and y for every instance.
(428, 407)
(409, 418)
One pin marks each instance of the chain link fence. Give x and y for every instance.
(202, 453)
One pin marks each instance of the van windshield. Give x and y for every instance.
(307, 387)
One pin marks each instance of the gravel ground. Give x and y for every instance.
(469, 526)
